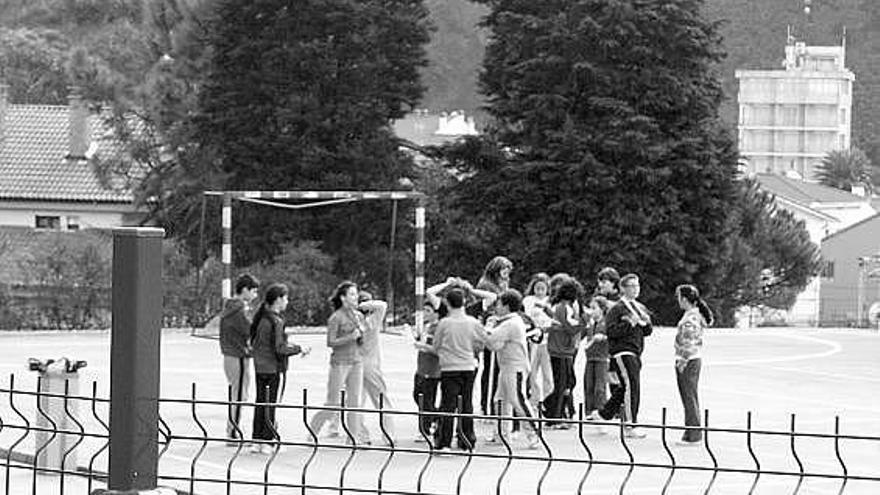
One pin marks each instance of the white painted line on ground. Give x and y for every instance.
(776, 397)
(839, 376)
(833, 348)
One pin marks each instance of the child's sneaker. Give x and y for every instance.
(633, 432)
(532, 442)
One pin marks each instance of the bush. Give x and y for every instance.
(67, 286)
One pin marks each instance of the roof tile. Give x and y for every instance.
(33, 163)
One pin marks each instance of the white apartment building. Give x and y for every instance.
(790, 118)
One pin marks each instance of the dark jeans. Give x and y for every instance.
(625, 397)
(455, 385)
(487, 405)
(264, 416)
(688, 379)
(426, 388)
(556, 404)
(595, 378)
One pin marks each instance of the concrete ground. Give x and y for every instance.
(772, 373)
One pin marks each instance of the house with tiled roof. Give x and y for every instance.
(824, 211)
(48, 178)
(56, 212)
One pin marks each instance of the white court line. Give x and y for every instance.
(788, 398)
(833, 348)
(840, 376)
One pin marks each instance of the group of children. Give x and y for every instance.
(523, 351)
(260, 344)
(522, 348)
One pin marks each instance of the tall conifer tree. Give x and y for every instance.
(608, 112)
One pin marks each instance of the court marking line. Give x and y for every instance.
(829, 374)
(787, 398)
(834, 348)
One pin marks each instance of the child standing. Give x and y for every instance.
(427, 377)
(535, 305)
(457, 338)
(596, 353)
(508, 339)
(235, 329)
(562, 344)
(271, 351)
(628, 323)
(345, 335)
(688, 350)
(375, 387)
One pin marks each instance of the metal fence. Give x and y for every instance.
(58, 443)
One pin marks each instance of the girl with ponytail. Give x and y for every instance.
(271, 351)
(688, 346)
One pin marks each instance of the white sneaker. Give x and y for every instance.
(443, 451)
(633, 432)
(688, 443)
(257, 448)
(533, 442)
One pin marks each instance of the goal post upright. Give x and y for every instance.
(329, 197)
(226, 250)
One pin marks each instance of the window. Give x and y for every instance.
(760, 115)
(844, 88)
(72, 222)
(821, 115)
(827, 270)
(842, 116)
(48, 222)
(789, 115)
(789, 142)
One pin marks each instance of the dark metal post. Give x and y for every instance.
(134, 363)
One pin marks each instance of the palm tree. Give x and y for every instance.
(845, 169)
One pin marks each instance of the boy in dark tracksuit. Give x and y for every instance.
(627, 323)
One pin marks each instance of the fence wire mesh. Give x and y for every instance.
(59, 442)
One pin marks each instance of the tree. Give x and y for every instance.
(33, 65)
(845, 169)
(607, 145)
(769, 257)
(299, 99)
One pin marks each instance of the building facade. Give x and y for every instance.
(790, 118)
(851, 279)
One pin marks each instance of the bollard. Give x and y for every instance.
(58, 378)
(134, 358)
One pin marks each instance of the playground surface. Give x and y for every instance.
(815, 374)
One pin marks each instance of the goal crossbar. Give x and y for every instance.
(269, 198)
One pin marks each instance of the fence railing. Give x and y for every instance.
(58, 443)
